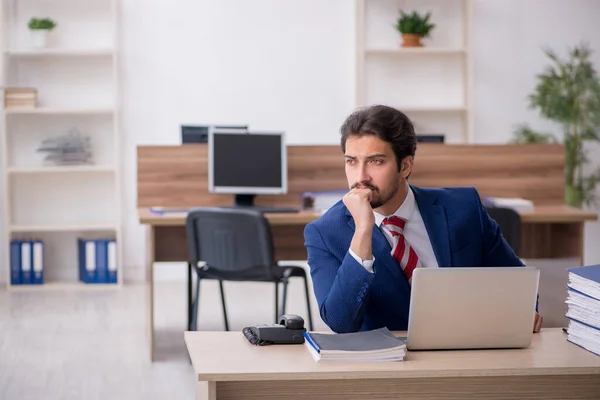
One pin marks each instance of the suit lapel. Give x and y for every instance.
(436, 223)
(382, 251)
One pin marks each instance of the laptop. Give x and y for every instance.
(472, 308)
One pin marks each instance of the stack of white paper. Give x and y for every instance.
(584, 307)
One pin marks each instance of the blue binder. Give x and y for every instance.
(97, 260)
(87, 260)
(37, 262)
(15, 262)
(112, 261)
(26, 262)
(101, 261)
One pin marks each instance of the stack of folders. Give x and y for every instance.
(26, 262)
(584, 307)
(369, 346)
(97, 260)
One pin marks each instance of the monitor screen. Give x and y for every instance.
(199, 133)
(247, 163)
(430, 138)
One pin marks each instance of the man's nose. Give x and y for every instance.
(363, 174)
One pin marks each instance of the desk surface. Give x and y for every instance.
(227, 356)
(541, 214)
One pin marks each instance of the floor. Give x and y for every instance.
(93, 344)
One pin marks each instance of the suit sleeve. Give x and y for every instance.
(496, 251)
(341, 288)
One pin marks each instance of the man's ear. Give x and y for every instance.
(406, 166)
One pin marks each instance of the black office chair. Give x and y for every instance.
(230, 244)
(510, 224)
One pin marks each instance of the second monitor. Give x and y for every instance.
(248, 164)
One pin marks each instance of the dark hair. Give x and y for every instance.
(388, 124)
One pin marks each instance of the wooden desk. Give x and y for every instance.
(228, 367)
(548, 232)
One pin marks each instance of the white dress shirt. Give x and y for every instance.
(414, 232)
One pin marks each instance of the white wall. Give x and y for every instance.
(272, 64)
(289, 65)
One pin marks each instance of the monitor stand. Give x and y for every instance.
(244, 200)
(247, 201)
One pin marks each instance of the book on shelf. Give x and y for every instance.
(378, 345)
(20, 98)
(583, 307)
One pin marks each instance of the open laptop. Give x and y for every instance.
(472, 308)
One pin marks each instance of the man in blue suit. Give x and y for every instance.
(363, 250)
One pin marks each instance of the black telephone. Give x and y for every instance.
(289, 330)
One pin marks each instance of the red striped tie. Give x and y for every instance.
(402, 251)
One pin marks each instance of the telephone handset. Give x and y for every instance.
(289, 330)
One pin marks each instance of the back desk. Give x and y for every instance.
(177, 176)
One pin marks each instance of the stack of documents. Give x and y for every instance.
(376, 345)
(69, 149)
(584, 307)
(516, 204)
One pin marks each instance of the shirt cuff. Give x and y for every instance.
(367, 264)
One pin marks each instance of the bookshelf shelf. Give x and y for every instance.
(60, 286)
(59, 111)
(422, 51)
(62, 169)
(60, 52)
(89, 227)
(431, 84)
(76, 84)
(431, 109)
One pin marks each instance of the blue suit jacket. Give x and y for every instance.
(351, 299)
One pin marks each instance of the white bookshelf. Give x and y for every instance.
(431, 84)
(77, 80)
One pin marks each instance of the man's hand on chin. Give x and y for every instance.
(537, 322)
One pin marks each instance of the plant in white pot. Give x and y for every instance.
(40, 28)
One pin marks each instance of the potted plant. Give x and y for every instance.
(568, 93)
(413, 27)
(40, 28)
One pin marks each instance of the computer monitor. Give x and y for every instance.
(430, 138)
(199, 133)
(247, 164)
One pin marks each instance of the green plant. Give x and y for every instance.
(41, 23)
(568, 93)
(414, 23)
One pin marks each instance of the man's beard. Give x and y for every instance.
(378, 198)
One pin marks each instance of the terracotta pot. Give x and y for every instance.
(411, 40)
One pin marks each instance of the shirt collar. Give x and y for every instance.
(405, 211)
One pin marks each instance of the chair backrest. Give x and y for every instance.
(510, 224)
(230, 239)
